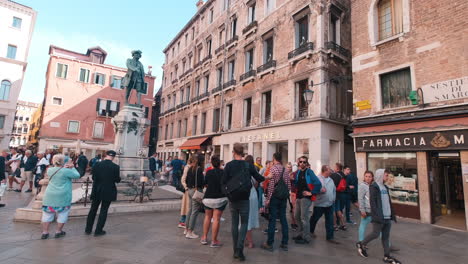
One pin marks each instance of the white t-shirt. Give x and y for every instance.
(43, 161)
(16, 161)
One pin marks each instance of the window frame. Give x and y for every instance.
(15, 18)
(111, 82)
(247, 107)
(68, 126)
(266, 59)
(57, 68)
(264, 106)
(2, 121)
(4, 86)
(96, 74)
(56, 97)
(379, 94)
(79, 75)
(9, 50)
(217, 120)
(103, 128)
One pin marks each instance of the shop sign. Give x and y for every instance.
(443, 140)
(261, 137)
(363, 105)
(446, 90)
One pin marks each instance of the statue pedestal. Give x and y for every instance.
(130, 126)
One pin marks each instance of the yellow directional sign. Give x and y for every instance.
(362, 105)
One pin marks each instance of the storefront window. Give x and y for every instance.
(403, 176)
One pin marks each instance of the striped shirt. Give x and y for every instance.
(275, 172)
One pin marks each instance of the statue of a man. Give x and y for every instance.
(135, 77)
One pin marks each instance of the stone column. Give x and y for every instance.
(361, 165)
(424, 188)
(464, 163)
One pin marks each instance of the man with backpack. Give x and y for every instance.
(236, 184)
(341, 194)
(277, 198)
(307, 187)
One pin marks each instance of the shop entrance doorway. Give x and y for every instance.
(448, 205)
(281, 147)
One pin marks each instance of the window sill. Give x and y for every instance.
(380, 42)
(69, 132)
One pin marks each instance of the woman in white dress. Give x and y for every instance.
(253, 211)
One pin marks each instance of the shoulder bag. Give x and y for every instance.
(198, 195)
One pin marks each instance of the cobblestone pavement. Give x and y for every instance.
(154, 238)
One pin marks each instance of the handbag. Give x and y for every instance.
(281, 191)
(198, 195)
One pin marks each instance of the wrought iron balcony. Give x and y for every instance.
(204, 95)
(302, 49)
(303, 113)
(337, 48)
(232, 40)
(175, 81)
(266, 66)
(229, 84)
(217, 89)
(252, 25)
(248, 74)
(219, 49)
(207, 58)
(198, 64)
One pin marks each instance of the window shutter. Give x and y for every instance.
(118, 107)
(146, 112)
(108, 105)
(98, 104)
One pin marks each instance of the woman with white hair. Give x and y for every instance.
(58, 195)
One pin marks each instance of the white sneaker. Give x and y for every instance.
(192, 236)
(185, 231)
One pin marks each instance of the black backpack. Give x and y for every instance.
(238, 187)
(281, 191)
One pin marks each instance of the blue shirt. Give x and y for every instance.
(177, 165)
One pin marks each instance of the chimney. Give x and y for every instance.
(200, 3)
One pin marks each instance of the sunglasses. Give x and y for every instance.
(302, 161)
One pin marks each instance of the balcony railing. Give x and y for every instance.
(266, 66)
(207, 58)
(248, 74)
(198, 64)
(175, 81)
(186, 73)
(303, 48)
(229, 84)
(219, 49)
(303, 113)
(340, 50)
(204, 95)
(217, 89)
(232, 40)
(252, 25)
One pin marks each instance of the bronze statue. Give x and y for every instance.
(135, 77)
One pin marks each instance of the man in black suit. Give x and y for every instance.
(105, 175)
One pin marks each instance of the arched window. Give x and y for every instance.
(390, 14)
(5, 90)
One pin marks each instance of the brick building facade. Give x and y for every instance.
(82, 95)
(410, 84)
(238, 71)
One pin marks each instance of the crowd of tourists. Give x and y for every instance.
(57, 171)
(252, 190)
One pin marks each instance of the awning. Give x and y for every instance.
(194, 143)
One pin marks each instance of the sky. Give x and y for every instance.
(117, 26)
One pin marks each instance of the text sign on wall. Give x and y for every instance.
(443, 140)
(261, 137)
(446, 90)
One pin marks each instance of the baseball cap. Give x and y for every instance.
(111, 153)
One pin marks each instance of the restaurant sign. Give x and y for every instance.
(442, 140)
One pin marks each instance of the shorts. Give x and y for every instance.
(26, 176)
(339, 205)
(62, 217)
(221, 208)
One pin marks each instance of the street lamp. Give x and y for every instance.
(309, 94)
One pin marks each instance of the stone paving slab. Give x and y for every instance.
(154, 239)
